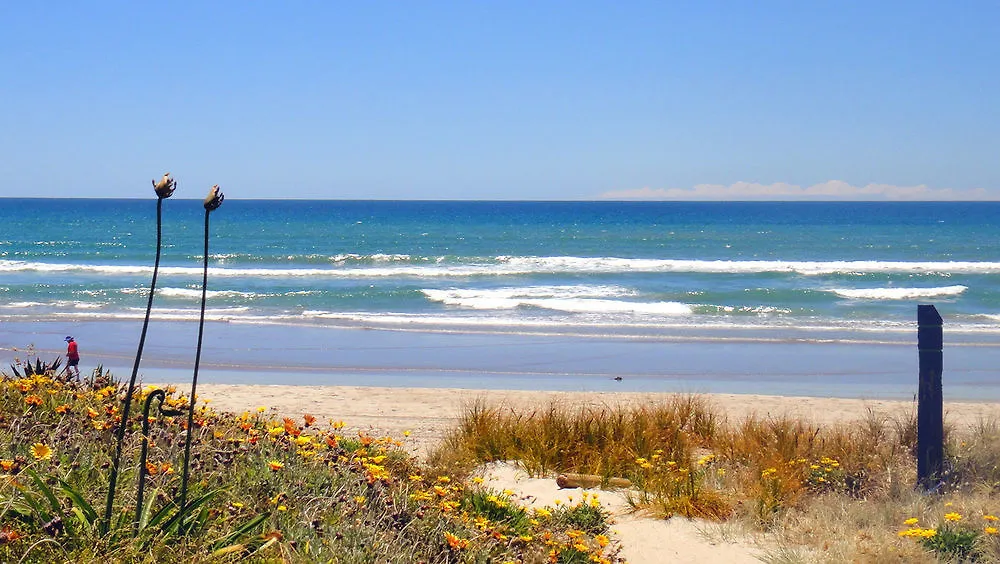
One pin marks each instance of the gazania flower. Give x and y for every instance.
(41, 451)
(309, 419)
(33, 400)
(64, 408)
(454, 542)
(274, 465)
(6, 465)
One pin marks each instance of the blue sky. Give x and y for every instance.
(502, 100)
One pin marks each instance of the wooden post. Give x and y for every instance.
(930, 404)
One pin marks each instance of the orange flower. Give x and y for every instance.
(152, 469)
(331, 441)
(274, 465)
(9, 535)
(309, 419)
(454, 542)
(291, 428)
(6, 465)
(64, 408)
(33, 400)
(92, 413)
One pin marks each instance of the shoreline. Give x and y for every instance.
(312, 356)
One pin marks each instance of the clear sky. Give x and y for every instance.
(562, 100)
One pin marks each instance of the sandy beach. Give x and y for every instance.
(428, 414)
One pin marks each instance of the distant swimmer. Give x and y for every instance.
(618, 378)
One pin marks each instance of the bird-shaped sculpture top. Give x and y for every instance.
(214, 198)
(165, 187)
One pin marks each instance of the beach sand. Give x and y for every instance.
(428, 414)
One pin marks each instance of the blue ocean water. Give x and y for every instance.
(768, 271)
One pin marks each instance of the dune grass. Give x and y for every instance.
(812, 493)
(263, 489)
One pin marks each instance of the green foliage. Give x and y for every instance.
(958, 544)
(588, 516)
(261, 489)
(495, 507)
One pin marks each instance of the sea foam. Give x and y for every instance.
(898, 293)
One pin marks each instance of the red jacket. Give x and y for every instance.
(71, 351)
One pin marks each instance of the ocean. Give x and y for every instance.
(302, 278)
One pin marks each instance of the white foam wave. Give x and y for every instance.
(185, 311)
(575, 291)
(570, 299)
(58, 303)
(898, 293)
(533, 265)
(189, 293)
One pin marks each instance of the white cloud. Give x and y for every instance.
(830, 190)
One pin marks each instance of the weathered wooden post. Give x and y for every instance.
(930, 404)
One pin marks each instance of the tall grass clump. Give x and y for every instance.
(262, 489)
(828, 493)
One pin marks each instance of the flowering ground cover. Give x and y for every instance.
(263, 488)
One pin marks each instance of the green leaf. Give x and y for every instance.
(46, 491)
(85, 511)
(239, 532)
(176, 523)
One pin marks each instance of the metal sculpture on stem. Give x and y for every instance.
(155, 395)
(212, 203)
(164, 189)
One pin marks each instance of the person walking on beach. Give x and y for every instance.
(72, 358)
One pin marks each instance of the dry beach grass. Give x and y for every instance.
(792, 479)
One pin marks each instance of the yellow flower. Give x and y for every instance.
(991, 530)
(991, 518)
(274, 465)
(360, 499)
(6, 465)
(41, 451)
(952, 516)
(911, 521)
(602, 540)
(282, 508)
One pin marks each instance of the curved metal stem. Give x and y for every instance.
(127, 402)
(154, 395)
(197, 362)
